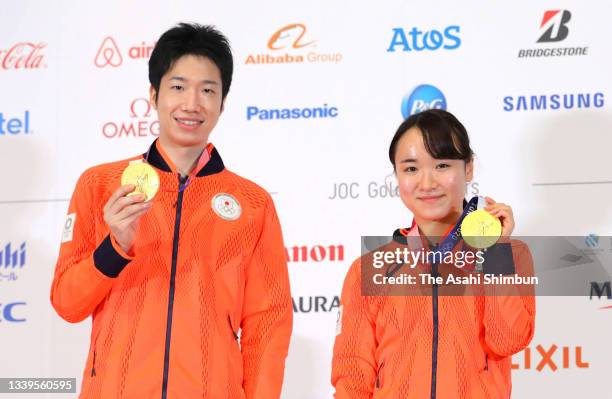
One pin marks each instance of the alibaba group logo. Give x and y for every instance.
(108, 54)
(290, 35)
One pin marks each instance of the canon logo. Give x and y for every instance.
(23, 55)
(315, 253)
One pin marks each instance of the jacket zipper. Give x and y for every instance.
(93, 365)
(379, 375)
(229, 320)
(434, 347)
(175, 241)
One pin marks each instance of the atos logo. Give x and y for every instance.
(315, 253)
(109, 55)
(12, 312)
(315, 304)
(422, 98)
(551, 358)
(554, 26)
(141, 122)
(417, 40)
(12, 126)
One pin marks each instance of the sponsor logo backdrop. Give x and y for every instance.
(319, 89)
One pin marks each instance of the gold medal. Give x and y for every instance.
(144, 177)
(480, 229)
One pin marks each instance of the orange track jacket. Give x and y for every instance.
(202, 308)
(433, 346)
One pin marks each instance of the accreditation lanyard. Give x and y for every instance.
(454, 236)
(202, 161)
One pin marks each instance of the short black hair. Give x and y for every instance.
(443, 135)
(191, 39)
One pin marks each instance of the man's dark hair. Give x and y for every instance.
(191, 39)
(444, 136)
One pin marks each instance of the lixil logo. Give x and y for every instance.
(551, 358)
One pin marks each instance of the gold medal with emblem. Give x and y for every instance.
(144, 177)
(480, 229)
(226, 206)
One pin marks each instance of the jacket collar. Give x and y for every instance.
(156, 159)
(401, 235)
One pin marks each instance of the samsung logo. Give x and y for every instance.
(553, 102)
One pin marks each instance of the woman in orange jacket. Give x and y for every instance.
(434, 346)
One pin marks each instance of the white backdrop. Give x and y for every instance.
(75, 73)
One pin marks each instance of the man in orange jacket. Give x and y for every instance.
(188, 290)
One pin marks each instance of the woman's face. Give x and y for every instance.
(433, 189)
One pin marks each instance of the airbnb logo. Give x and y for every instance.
(24, 55)
(551, 358)
(109, 54)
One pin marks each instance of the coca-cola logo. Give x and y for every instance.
(140, 124)
(23, 55)
(109, 54)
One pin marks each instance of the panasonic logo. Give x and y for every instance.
(253, 112)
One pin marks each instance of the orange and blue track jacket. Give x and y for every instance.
(432, 346)
(200, 308)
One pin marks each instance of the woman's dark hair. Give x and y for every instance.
(191, 39)
(443, 135)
